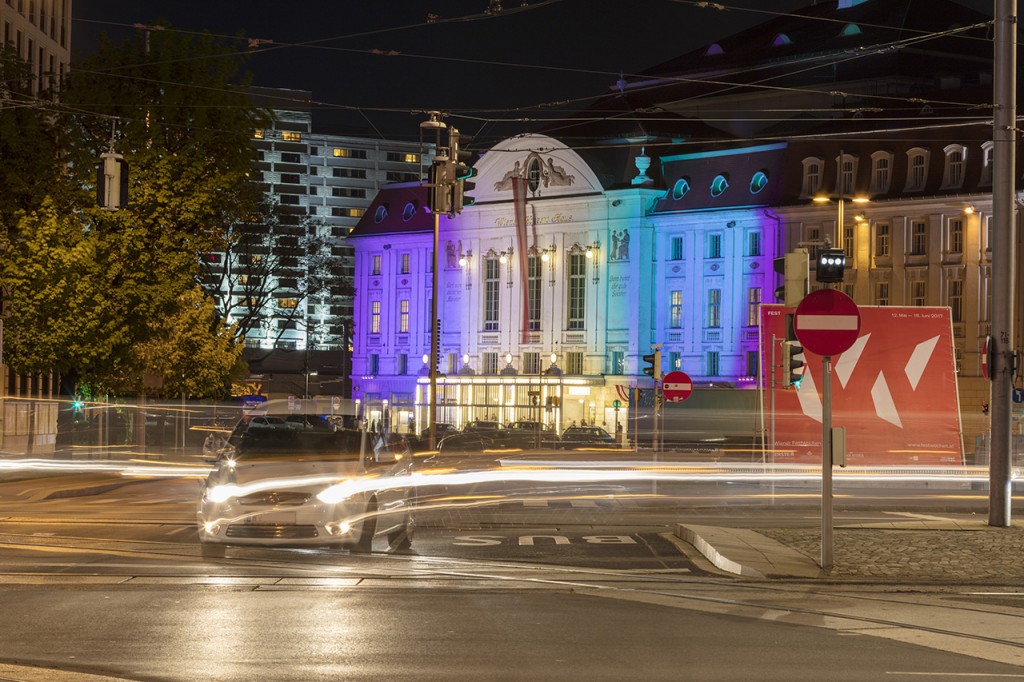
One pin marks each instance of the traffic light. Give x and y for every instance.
(794, 362)
(462, 175)
(654, 365)
(441, 185)
(111, 182)
(830, 266)
(794, 270)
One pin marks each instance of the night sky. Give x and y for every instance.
(478, 66)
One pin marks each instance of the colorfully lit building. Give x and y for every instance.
(638, 231)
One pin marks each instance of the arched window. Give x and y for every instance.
(812, 176)
(781, 39)
(850, 30)
(881, 172)
(986, 163)
(953, 171)
(917, 169)
(713, 49)
(719, 185)
(846, 183)
(680, 189)
(758, 182)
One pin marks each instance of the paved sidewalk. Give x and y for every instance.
(909, 551)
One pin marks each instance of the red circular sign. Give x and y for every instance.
(827, 322)
(677, 386)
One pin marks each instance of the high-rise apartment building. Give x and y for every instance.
(40, 32)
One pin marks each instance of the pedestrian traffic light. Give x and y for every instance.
(111, 182)
(794, 362)
(462, 174)
(654, 365)
(794, 270)
(441, 185)
(830, 265)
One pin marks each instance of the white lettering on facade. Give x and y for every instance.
(503, 221)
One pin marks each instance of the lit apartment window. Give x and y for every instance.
(848, 236)
(918, 237)
(677, 248)
(753, 305)
(675, 309)
(403, 158)
(881, 172)
(492, 293)
(375, 268)
(812, 176)
(405, 264)
(956, 235)
(375, 317)
(917, 169)
(349, 153)
(574, 362)
(403, 317)
(290, 136)
(714, 308)
(287, 303)
(259, 134)
(953, 172)
(881, 240)
(918, 293)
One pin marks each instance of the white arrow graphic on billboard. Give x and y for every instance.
(884, 405)
(847, 362)
(807, 394)
(919, 360)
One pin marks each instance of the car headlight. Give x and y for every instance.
(337, 492)
(221, 493)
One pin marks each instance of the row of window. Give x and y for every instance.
(337, 152)
(918, 160)
(682, 186)
(713, 242)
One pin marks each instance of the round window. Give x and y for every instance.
(409, 211)
(758, 182)
(719, 185)
(381, 214)
(680, 189)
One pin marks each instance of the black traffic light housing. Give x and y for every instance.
(462, 175)
(440, 182)
(111, 182)
(830, 266)
(654, 365)
(794, 362)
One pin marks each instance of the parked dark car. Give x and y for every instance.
(481, 425)
(531, 435)
(472, 441)
(586, 436)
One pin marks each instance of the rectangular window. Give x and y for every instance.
(290, 157)
(847, 176)
(675, 362)
(374, 364)
(533, 267)
(574, 362)
(881, 239)
(918, 173)
(955, 159)
(375, 317)
(714, 246)
(577, 290)
(405, 263)
(289, 136)
(753, 363)
(956, 236)
(753, 306)
(348, 192)
(714, 308)
(848, 232)
(290, 178)
(712, 360)
(453, 363)
(288, 199)
(287, 303)
(618, 362)
(490, 363)
(350, 153)
(349, 173)
(403, 317)
(881, 293)
(814, 237)
(675, 309)
(918, 293)
(403, 158)
(812, 179)
(880, 179)
(956, 300)
(375, 269)
(754, 244)
(492, 292)
(918, 238)
(402, 364)
(259, 134)
(677, 248)
(531, 363)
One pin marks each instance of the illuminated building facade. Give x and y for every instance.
(40, 33)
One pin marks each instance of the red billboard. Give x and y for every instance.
(894, 390)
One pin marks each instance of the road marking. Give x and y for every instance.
(940, 674)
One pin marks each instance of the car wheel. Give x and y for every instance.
(211, 550)
(366, 531)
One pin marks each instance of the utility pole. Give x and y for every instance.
(1004, 136)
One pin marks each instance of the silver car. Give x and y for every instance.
(306, 487)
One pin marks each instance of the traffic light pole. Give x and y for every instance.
(826, 462)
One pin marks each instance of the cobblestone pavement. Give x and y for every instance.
(978, 553)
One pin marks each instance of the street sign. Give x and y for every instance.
(677, 386)
(1018, 395)
(827, 322)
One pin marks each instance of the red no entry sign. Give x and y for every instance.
(827, 322)
(677, 386)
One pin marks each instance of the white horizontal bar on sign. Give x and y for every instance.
(827, 322)
(677, 387)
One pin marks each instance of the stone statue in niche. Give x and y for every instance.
(451, 257)
(620, 246)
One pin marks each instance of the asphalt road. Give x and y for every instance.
(590, 589)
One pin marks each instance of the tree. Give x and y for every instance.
(87, 288)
